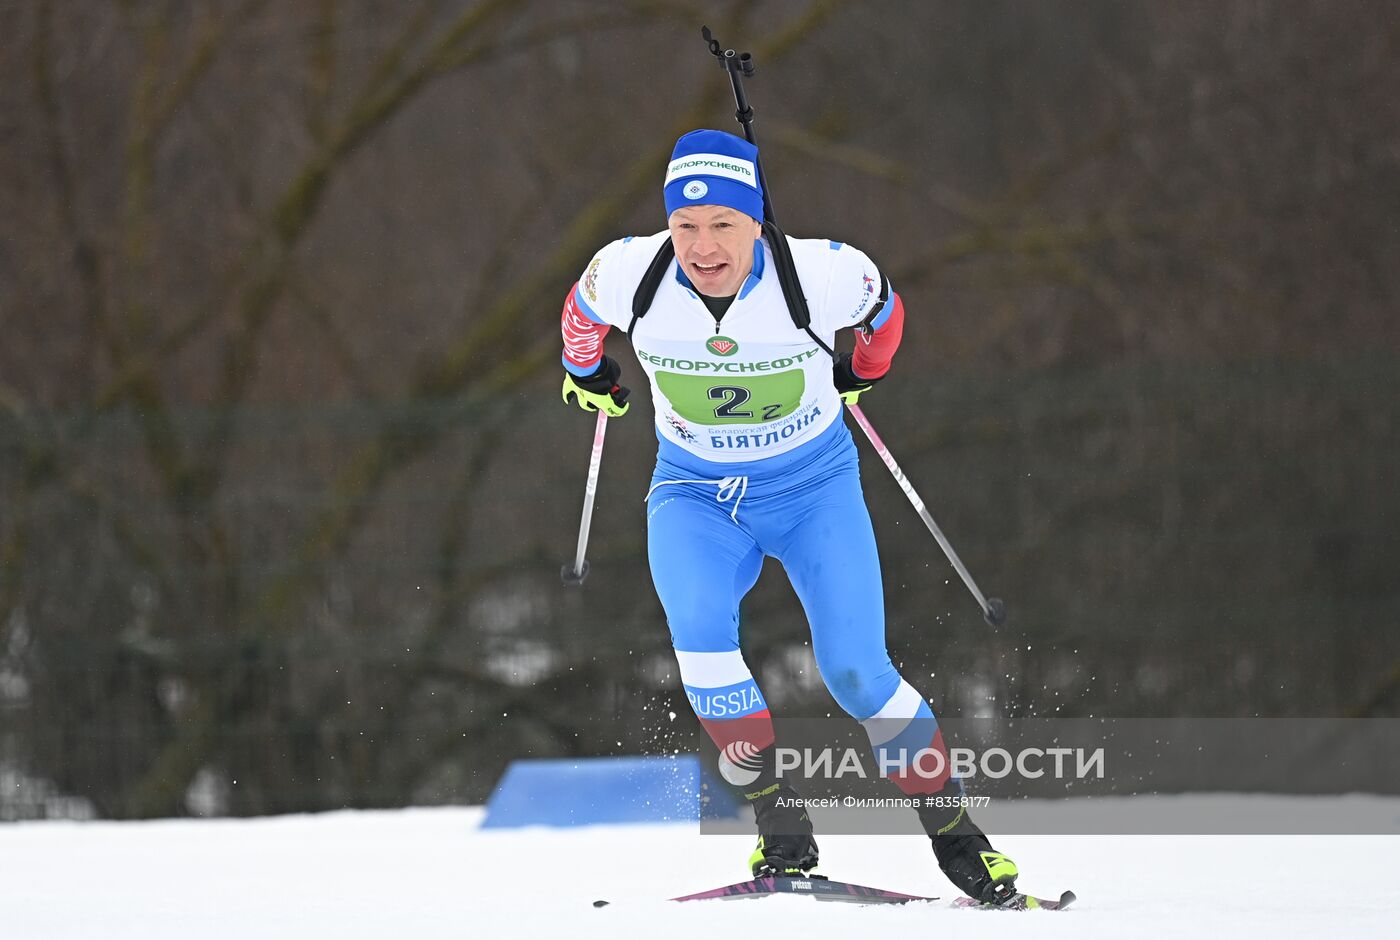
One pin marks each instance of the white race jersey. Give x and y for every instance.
(752, 385)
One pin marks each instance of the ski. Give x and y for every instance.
(823, 889)
(1020, 902)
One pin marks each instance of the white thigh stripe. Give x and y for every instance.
(894, 716)
(713, 670)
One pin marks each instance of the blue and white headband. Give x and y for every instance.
(712, 168)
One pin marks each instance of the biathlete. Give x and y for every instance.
(753, 461)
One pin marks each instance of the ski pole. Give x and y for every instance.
(993, 610)
(576, 572)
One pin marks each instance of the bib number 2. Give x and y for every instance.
(761, 398)
(734, 396)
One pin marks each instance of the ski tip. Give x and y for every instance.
(1020, 902)
(600, 903)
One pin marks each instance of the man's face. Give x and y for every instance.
(714, 245)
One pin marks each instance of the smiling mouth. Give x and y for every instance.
(708, 269)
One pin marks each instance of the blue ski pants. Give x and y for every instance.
(710, 525)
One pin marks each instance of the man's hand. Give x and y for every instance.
(599, 389)
(848, 384)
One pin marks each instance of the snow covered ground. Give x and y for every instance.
(430, 873)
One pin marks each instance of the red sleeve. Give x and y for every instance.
(874, 351)
(583, 338)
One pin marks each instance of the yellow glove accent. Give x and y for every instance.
(853, 397)
(592, 401)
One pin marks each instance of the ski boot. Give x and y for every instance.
(981, 872)
(967, 858)
(785, 844)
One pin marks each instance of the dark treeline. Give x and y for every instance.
(285, 482)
